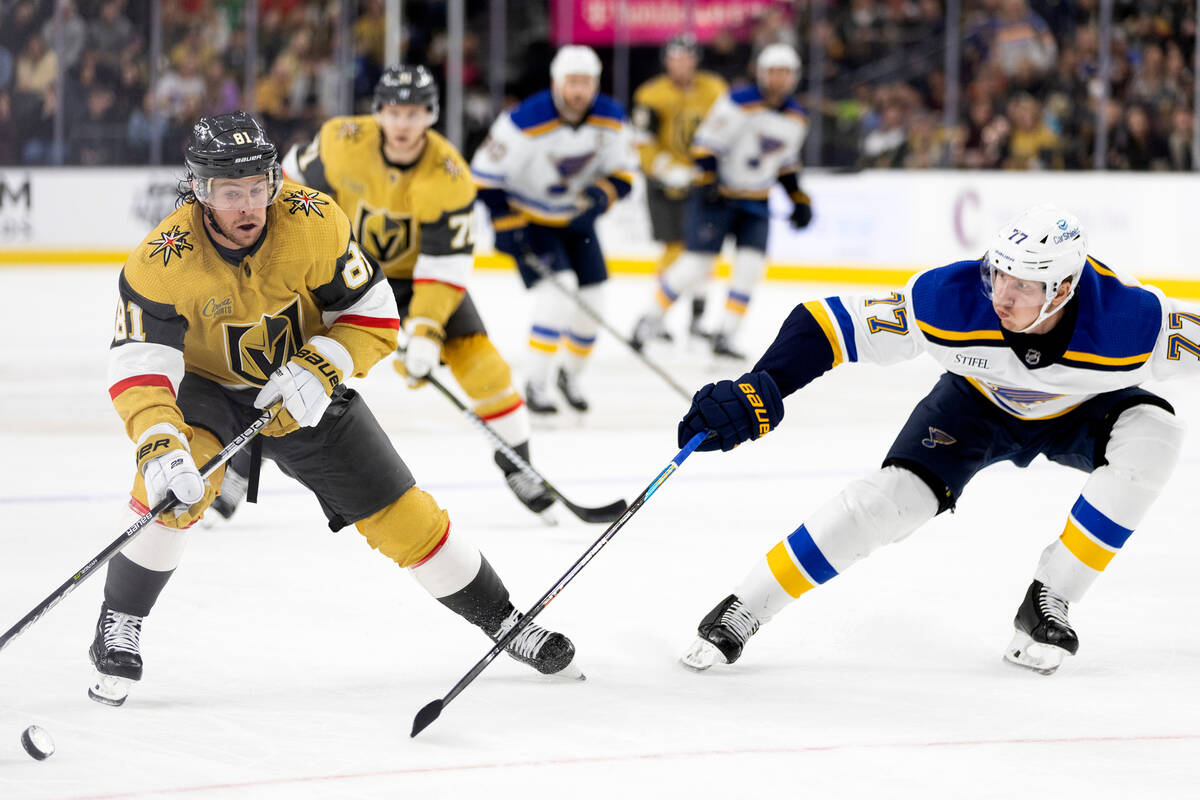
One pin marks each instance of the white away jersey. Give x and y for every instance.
(1125, 334)
(543, 164)
(752, 142)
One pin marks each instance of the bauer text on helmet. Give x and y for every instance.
(1033, 265)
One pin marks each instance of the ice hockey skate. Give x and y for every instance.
(647, 328)
(233, 491)
(1043, 636)
(549, 652)
(723, 347)
(117, 656)
(568, 384)
(722, 635)
(528, 488)
(538, 400)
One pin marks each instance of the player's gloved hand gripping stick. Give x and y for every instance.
(168, 502)
(433, 710)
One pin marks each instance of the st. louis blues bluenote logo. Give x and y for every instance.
(307, 202)
(936, 437)
(170, 243)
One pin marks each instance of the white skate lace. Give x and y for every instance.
(738, 619)
(234, 486)
(1053, 606)
(528, 642)
(121, 632)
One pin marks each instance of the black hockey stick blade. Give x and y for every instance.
(608, 513)
(426, 716)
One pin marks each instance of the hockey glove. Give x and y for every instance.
(595, 203)
(738, 410)
(424, 350)
(165, 461)
(672, 174)
(304, 385)
(801, 211)
(511, 242)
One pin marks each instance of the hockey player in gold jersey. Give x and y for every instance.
(253, 292)
(409, 195)
(667, 109)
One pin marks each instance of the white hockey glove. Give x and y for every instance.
(671, 173)
(166, 464)
(304, 385)
(424, 350)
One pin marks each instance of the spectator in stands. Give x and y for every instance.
(1179, 141)
(222, 94)
(1019, 42)
(66, 33)
(1135, 145)
(97, 139)
(37, 67)
(886, 147)
(180, 92)
(110, 33)
(1031, 144)
(9, 133)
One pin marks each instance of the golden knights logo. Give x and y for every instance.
(170, 243)
(384, 235)
(349, 130)
(255, 351)
(302, 200)
(452, 168)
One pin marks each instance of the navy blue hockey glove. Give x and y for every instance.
(511, 242)
(747, 408)
(801, 212)
(598, 204)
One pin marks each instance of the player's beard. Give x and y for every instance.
(239, 238)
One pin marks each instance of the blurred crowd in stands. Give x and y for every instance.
(1029, 91)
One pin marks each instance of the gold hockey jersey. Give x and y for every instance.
(396, 213)
(184, 308)
(668, 116)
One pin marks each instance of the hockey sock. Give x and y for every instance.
(486, 378)
(748, 268)
(685, 275)
(1141, 455)
(670, 253)
(131, 588)
(461, 579)
(869, 513)
(550, 316)
(581, 333)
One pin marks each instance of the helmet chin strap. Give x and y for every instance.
(212, 220)
(1048, 312)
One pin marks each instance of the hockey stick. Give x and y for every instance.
(539, 266)
(431, 711)
(602, 514)
(103, 557)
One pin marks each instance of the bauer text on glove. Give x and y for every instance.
(746, 408)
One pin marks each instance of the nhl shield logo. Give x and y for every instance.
(257, 350)
(384, 235)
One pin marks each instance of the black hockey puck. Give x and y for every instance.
(37, 743)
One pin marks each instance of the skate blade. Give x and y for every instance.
(1044, 659)
(701, 655)
(548, 517)
(571, 672)
(109, 689)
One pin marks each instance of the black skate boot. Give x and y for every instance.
(722, 346)
(117, 656)
(568, 384)
(648, 327)
(722, 635)
(548, 652)
(233, 491)
(532, 492)
(538, 400)
(1043, 635)
(694, 327)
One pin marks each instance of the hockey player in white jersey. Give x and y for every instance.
(749, 140)
(547, 170)
(1044, 349)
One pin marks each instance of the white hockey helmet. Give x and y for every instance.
(778, 55)
(1043, 244)
(574, 59)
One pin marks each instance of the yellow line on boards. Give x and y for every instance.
(812, 273)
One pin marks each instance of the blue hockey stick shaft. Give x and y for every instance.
(431, 711)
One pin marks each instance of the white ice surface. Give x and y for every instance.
(284, 661)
